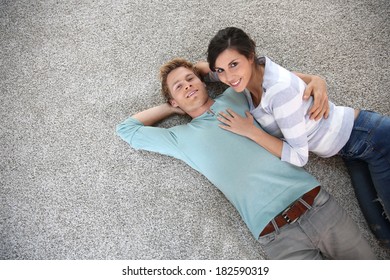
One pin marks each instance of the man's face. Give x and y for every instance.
(188, 91)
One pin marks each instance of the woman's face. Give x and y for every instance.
(234, 69)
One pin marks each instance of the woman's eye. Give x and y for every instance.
(219, 71)
(234, 64)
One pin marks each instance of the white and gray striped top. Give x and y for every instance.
(283, 113)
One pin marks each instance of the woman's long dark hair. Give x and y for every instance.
(230, 38)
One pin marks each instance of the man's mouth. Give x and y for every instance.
(191, 93)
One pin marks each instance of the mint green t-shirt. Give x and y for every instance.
(256, 182)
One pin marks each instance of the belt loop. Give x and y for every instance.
(275, 226)
(307, 205)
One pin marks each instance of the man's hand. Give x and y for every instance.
(155, 114)
(203, 68)
(177, 110)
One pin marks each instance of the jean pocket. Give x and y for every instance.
(267, 239)
(357, 149)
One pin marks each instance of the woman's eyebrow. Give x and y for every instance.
(234, 60)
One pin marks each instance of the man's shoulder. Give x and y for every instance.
(233, 100)
(231, 93)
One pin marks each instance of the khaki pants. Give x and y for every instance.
(325, 231)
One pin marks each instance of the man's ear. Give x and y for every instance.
(173, 103)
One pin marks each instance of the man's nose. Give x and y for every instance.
(188, 86)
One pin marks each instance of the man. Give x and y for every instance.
(283, 205)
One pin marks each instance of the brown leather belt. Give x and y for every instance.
(293, 212)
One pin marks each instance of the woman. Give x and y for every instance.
(275, 98)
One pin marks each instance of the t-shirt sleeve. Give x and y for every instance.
(154, 139)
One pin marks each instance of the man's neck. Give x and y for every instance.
(201, 110)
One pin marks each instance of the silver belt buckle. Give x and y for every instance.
(287, 218)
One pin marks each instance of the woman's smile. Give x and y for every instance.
(236, 83)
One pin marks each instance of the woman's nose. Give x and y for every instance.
(226, 75)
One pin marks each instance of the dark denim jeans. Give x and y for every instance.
(367, 157)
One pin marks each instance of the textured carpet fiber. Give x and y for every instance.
(71, 70)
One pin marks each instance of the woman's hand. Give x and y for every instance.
(316, 87)
(320, 107)
(244, 126)
(235, 123)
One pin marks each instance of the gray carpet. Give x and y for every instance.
(70, 71)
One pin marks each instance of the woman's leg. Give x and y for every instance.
(368, 200)
(367, 156)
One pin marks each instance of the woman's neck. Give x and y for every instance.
(255, 85)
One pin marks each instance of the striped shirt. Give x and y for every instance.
(283, 113)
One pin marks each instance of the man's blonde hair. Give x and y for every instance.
(168, 68)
